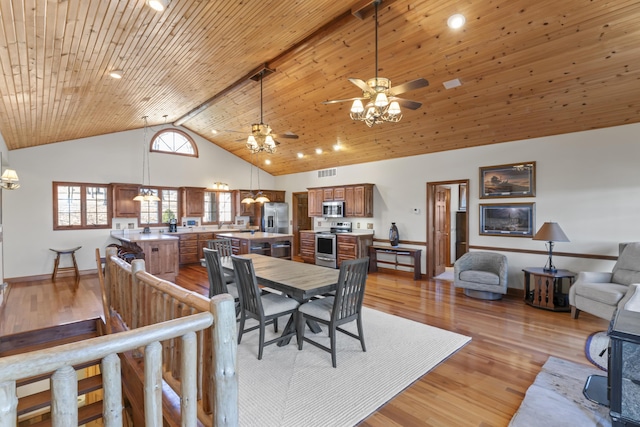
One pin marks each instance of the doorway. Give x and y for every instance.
(441, 229)
(300, 219)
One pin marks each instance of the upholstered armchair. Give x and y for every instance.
(600, 293)
(482, 274)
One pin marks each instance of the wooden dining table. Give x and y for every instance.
(298, 280)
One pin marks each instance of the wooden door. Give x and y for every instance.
(442, 225)
(300, 218)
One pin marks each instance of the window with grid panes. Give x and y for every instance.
(81, 206)
(217, 207)
(159, 213)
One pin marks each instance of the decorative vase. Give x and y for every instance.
(394, 237)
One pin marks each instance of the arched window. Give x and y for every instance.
(174, 141)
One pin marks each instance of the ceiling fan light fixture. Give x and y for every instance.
(381, 100)
(357, 107)
(269, 141)
(394, 108)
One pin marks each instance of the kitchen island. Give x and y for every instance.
(160, 251)
(271, 244)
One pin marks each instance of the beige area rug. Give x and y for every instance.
(300, 388)
(555, 398)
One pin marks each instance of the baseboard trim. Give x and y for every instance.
(61, 275)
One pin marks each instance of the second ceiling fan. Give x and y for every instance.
(261, 137)
(382, 103)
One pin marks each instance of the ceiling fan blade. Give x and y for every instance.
(334, 101)
(405, 87)
(362, 85)
(412, 105)
(289, 135)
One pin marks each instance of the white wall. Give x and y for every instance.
(28, 211)
(588, 182)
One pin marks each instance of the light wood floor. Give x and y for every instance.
(483, 384)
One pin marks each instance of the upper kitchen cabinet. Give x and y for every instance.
(123, 204)
(358, 199)
(192, 201)
(315, 199)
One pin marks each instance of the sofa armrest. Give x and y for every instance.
(594, 277)
(631, 300)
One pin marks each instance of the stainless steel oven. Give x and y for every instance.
(326, 250)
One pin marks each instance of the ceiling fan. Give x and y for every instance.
(382, 103)
(262, 137)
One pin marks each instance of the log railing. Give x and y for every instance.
(59, 361)
(187, 339)
(141, 299)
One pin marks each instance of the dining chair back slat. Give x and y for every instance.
(223, 246)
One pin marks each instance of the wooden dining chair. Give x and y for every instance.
(224, 248)
(334, 311)
(217, 284)
(266, 307)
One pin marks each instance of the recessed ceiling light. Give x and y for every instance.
(336, 147)
(267, 162)
(300, 155)
(159, 5)
(318, 150)
(116, 74)
(213, 131)
(456, 21)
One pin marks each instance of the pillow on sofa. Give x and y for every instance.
(627, 269)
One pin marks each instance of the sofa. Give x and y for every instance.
(601, 293)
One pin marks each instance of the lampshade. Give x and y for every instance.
(551, 232)
(262, 198)
(9, 180)
(381, 100)
(357, 107)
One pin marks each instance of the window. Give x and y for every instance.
(217, 207)
(158, 213)
(174, 141)
(81, 206)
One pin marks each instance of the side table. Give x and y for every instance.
(545, 289)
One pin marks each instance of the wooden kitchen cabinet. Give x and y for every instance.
(338, 193)
(308, 246)
(192, 201)
(315, 199)
(352, 246)
(362, 201)
(188, 248)
(327, 194)
(123, 204)
(161, 258)
(203, 238)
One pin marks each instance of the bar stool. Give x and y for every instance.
(60, 252)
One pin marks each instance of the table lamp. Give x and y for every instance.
(550, 232)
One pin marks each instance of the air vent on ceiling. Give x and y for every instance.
(327, 172)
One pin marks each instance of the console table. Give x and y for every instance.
(544, 289)
(395, 251)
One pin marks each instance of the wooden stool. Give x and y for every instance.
(59, 252)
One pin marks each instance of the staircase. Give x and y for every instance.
(35, 395)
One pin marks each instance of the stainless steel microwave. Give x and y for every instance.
(333, 209)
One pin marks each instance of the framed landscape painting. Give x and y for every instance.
(515, 219)
(514, 180)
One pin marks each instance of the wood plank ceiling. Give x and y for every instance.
(528, 69)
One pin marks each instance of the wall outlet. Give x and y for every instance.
(358, 225)
(416, 211)
(319, 223)
(117, 226)
(370, 225)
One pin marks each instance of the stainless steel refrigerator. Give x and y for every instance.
(275, 218)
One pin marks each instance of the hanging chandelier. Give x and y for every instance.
(381, 102)
(146, 194)
(261, 138)
(252, 197)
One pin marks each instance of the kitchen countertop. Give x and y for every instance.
(352, 233)
(141, 237)
(255, 236)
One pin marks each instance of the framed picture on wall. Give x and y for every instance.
(514, 219)
(513, 180)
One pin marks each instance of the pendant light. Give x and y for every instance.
(146, 194)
